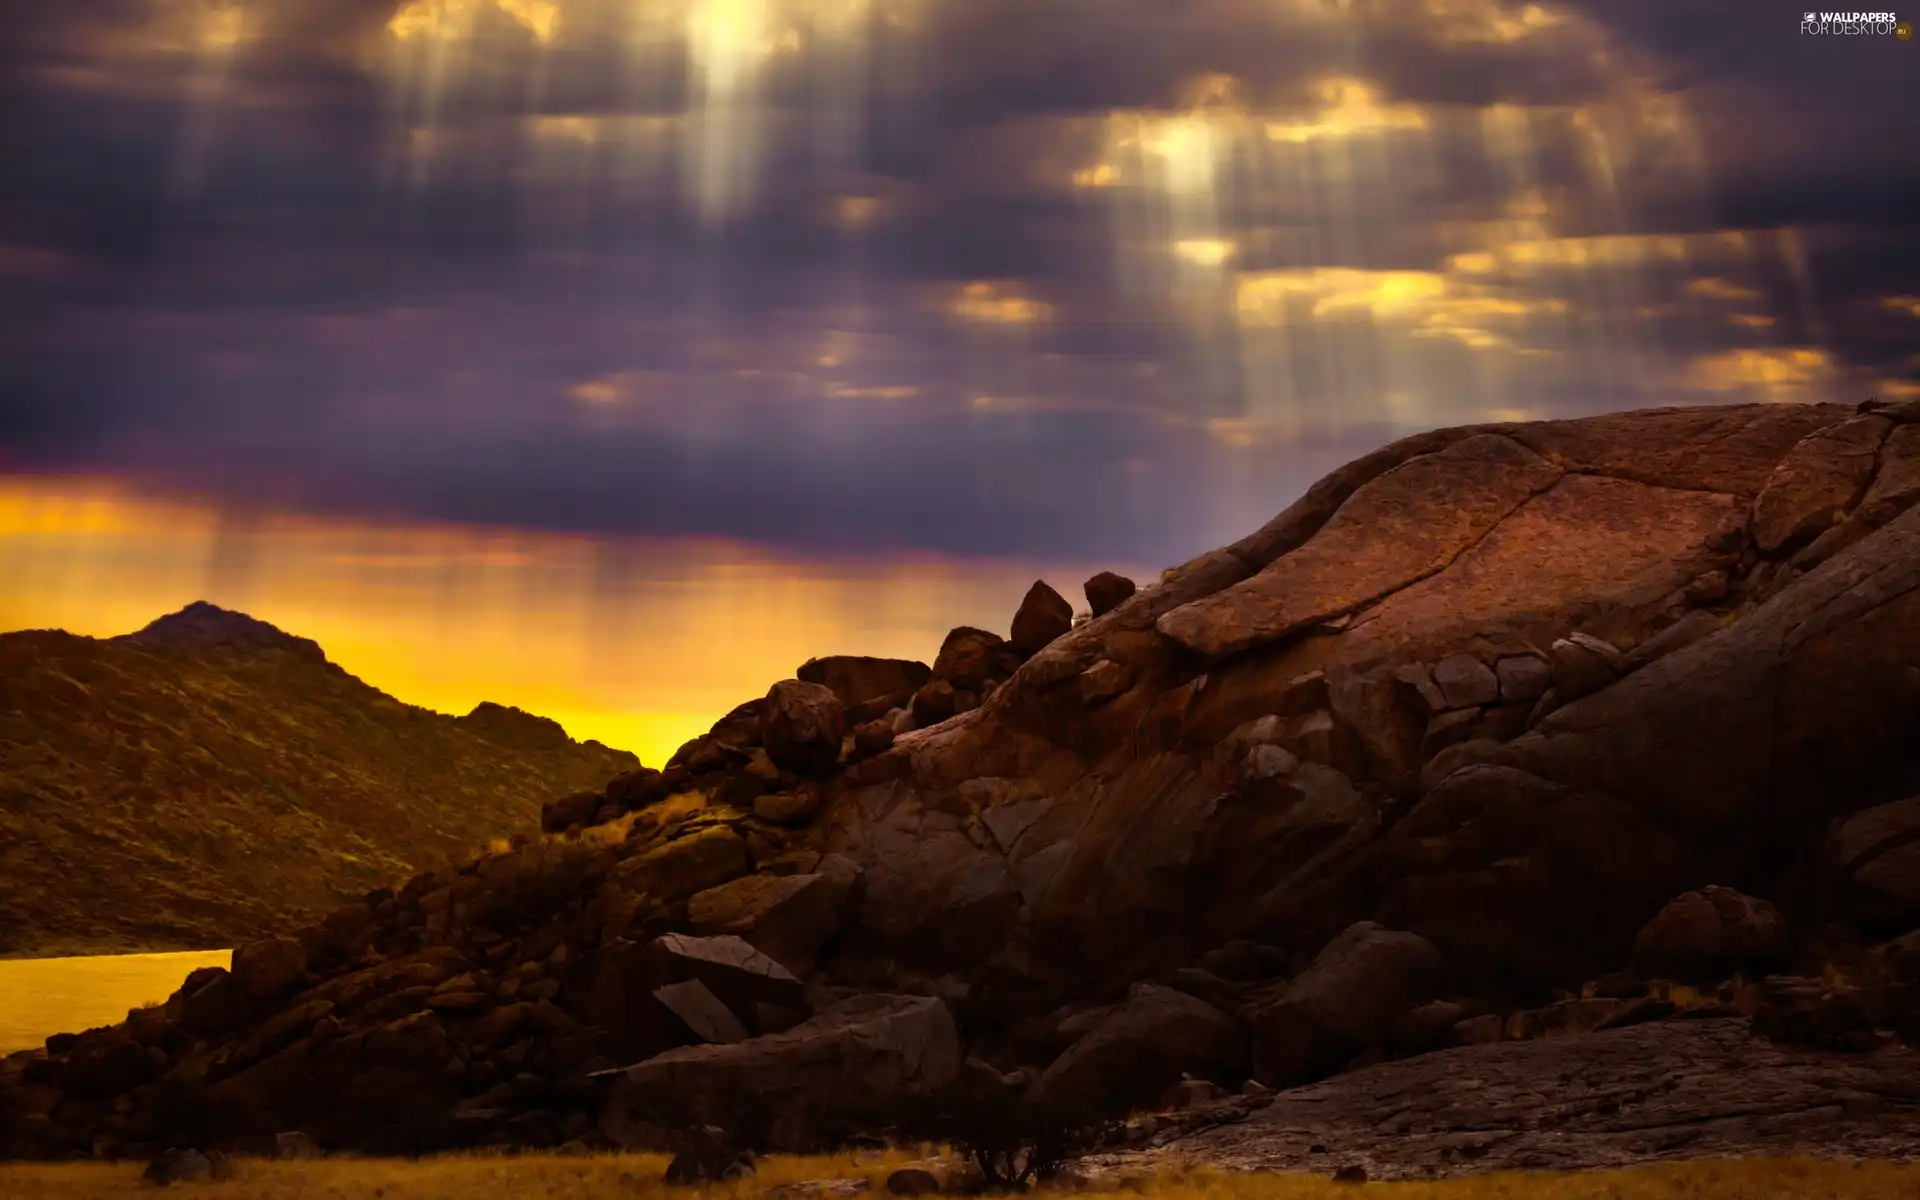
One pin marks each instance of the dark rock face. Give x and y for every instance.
(1422, 768)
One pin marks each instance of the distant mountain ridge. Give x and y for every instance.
(212, 778)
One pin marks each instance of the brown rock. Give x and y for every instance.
(269, 969)
(802, 725)
(1405, 525)
(1108, 591)
(1466, 682)
(856, 679)
(1347, 999)
(703, 859)
(558, 816)
(1043, 616)
(874, 737)
(1138, 1050)
(1523, 678)
(1414, 684)
(1727, 449)
(696, 1005)
(1317, 737)
(786, 917)
(741, 976)
(1877, 857)
(793, 808)
(912, 1181)
(1103, 681)
(969, 657)
(933, 703)
(1896, 487)
(1449, 729)
(1577, 670)
(803, 1088)
(1817, 482)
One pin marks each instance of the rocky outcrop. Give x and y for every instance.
(1483, 720)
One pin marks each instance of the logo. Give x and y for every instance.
(1855, 24)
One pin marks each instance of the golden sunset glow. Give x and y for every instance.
(1779, 372)
(639, 645)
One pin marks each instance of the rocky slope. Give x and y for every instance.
(1516, 733)
(210, 780)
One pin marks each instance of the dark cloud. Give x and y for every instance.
(532, 324)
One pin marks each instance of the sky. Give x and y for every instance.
(720, 293)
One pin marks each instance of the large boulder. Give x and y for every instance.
(802, 1089)
(786, 917)
(270, 968)
(1706, 935)
(1133, 1054)
(856, 679)
(1346, 1000)
(676, 869)
(1876, 856)
(1043, 616)
(802, 726)
(970, 658)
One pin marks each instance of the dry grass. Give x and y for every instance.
(637, 1177)
(41, 996)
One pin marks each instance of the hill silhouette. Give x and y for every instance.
(211, 779)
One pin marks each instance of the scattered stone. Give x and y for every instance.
(704, 1154)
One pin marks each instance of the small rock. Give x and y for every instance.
(1578, 670)
(1351, 1173)
(1465, 681)
(1103, 681)
(1271, 762)
(1108, 591)
(294, 1145)
(1523, 678)
(179, 1166)
(912, 1181)
(1482, 1030)
(1448, 729)
(787, 808)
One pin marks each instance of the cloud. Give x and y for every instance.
(981, 276)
